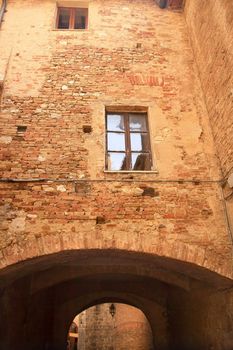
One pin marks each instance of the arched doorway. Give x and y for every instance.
(110, 326)
(50, 290)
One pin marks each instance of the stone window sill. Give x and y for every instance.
(69, 30)
(131, 172)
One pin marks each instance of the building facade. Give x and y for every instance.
(116, 168)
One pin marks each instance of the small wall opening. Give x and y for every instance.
(110, 326)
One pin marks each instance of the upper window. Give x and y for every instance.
(72, 18)
(127, 142)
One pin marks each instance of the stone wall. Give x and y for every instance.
(127, 329)
(96, 329)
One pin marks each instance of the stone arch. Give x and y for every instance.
(69, 281)
(52, 244)
(158, 328)
(114, 324)
(158, 266)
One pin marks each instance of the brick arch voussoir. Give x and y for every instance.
(51, 244)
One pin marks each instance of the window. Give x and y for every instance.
(72, 18)
(127, 142)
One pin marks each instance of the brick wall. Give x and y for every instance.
(134, 55)
(211, 30)
(56, 82)
(210, 25)
(132, 329)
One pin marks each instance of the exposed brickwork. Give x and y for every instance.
(179, 216)
(132, 329)
(56, 196)
(211, 30)
(141, 68)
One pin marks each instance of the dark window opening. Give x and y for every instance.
(21, 129)
(72, 18)
(127, 142)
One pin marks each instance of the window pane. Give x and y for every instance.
(80, 19)
(140, 161)
(137, 122)
(139, 142)
(116, 161)
(115, 122)
(116, 142)
(64, 18)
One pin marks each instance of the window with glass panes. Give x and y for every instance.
(72, 18)
(127, 142)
